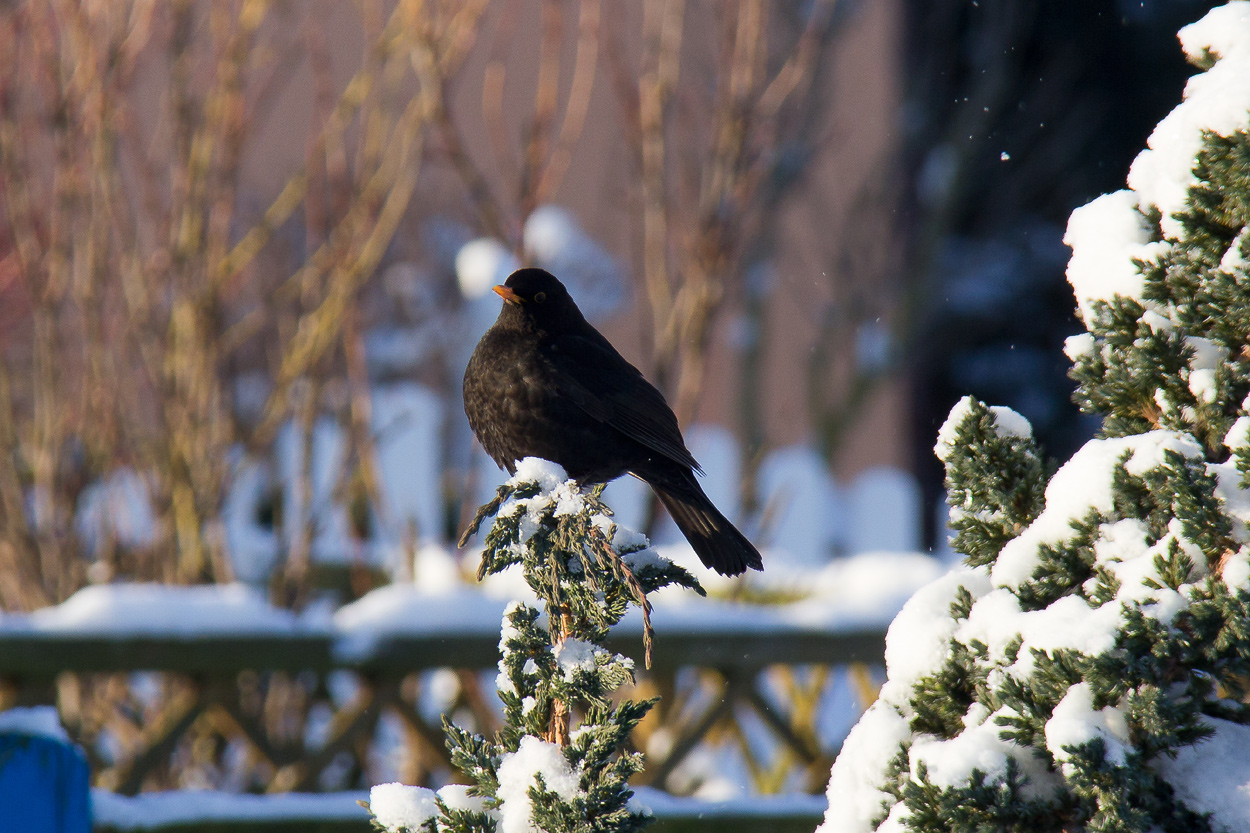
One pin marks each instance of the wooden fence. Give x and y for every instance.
(295, 713)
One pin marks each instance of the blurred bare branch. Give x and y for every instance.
(150, 275)
(692, 244)
(142, 280)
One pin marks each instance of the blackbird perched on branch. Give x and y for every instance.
(544, 383)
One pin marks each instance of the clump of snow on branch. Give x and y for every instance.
(1110, 232)
(1081, 486)
(522, 770)
(399, 807)
(1215, 101)
(1075, 721)
(556, 490)
(1008, 423)
(1106, 236)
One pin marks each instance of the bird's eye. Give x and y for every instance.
(540, 297)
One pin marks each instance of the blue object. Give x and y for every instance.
(43, 785)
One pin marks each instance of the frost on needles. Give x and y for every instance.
(1087, 668)
(558, 765)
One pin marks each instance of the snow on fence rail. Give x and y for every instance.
(169, 688)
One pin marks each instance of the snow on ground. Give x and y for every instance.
(397, 805)
(629, 498)
(331, 527)
(860, 592)
(150, 811)
(721, 461)
(254, 548)
(863, 591)
(164, 809)
(714, 443)
(408, 426)
(663, 805)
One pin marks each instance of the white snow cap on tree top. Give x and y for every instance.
(1007, 423)
(1109, 233)
(1215, 100)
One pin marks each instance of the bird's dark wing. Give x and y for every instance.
(599, 381)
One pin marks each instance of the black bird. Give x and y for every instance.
(544, 383)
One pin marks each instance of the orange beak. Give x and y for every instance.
(508, 295)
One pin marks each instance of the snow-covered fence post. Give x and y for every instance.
(1088, 668)
(558, 764)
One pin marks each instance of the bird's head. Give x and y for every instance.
(536, 295)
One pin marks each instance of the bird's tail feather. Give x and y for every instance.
(717, 542)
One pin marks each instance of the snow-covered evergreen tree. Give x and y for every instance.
(1087, 669)
(558, 764)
